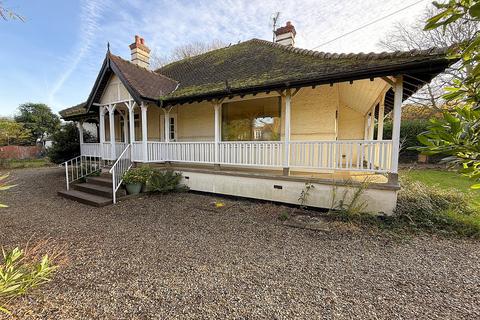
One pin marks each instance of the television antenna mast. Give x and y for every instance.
(274, 19)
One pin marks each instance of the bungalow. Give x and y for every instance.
(257, 119)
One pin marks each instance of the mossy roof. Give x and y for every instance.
(74, 111)
(256, 65)
(258, 62)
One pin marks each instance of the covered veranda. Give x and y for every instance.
(326, 158)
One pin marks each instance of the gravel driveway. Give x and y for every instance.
(177, 257)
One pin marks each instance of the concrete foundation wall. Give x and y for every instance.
(279, 190)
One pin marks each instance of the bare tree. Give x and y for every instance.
(9, 14)
(410, 37)
(185, 51)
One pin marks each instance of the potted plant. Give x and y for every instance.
(133, 181)
(146, 173)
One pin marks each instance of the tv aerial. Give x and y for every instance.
(273, 20)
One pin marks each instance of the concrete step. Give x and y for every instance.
(86, 198)
(95, 189)
(103, 180)
(106, 170)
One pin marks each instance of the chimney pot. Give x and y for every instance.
(286, 35)
(140, 52)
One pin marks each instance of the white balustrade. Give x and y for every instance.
(195, 152)
(91, 149)
(137, 152)
(349, 155)
(251, 153)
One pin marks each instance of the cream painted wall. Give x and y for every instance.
(195, 122)
(313, 114)
(153, 124)
(114, 91)
(351, 124)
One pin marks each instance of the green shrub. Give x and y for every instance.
(23, 270)
(284, 216)
(146, 172)
(133, 176)
(416, 198)
(5, 185)
(350, 203)
(434, 209)
(166, 181)
(409, 130)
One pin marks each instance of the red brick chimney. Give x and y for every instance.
(286, 35)
(140, 52)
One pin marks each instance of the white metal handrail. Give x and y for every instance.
(80, 167)
(122, 164)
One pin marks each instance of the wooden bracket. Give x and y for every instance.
(389, 81)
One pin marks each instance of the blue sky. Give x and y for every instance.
(54, 56)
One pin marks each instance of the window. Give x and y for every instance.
(172, 129)
(252, 120)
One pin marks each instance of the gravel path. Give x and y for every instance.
(177, 257)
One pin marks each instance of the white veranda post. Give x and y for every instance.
(218, 109)
(397, 118)
(131, 119)
(111, 120)
(143, 108)
(286, 155)
(124, 114)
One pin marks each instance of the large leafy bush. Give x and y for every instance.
(66, 143)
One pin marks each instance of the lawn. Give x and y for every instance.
(25, 163)
(446, 180)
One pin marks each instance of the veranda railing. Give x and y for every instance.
(348, 155)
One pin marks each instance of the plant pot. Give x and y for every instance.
(145, 188)
(133, 188)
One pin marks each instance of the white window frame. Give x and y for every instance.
(162, 126)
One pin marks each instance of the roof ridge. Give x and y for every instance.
(198, 55)
(360, 55)
(143, 68)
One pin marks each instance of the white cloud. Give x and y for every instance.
(90, 14)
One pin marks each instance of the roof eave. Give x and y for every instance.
(433, 66)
